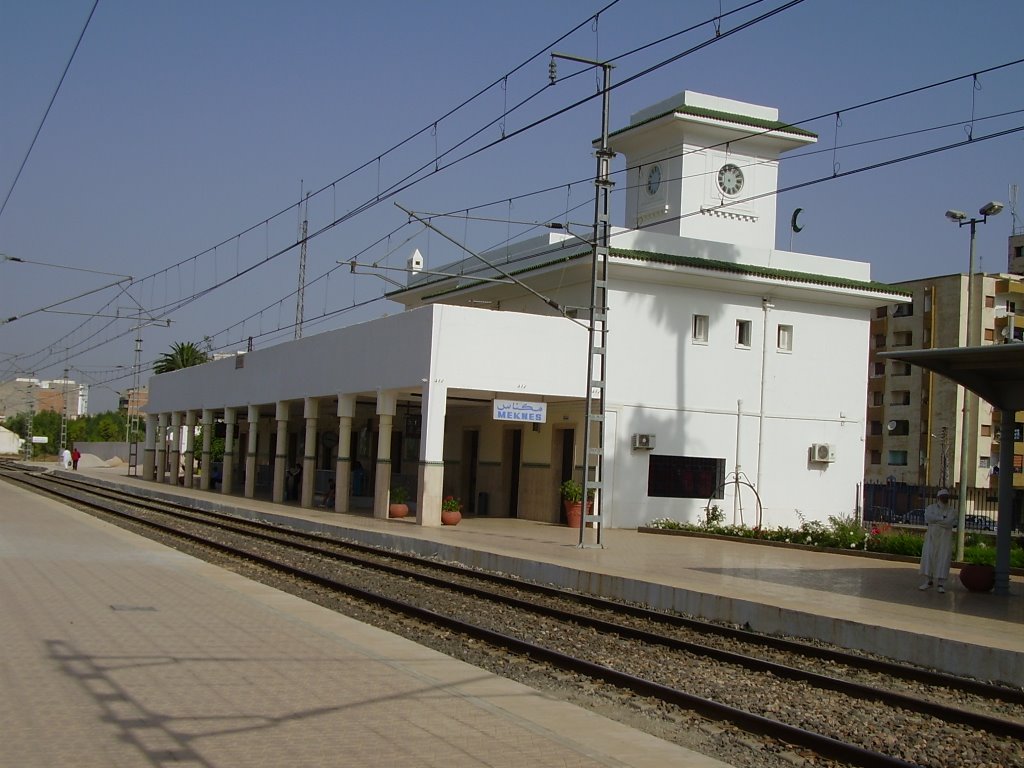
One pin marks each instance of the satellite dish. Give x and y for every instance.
(891, 425)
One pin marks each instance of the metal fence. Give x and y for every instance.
(905, 503)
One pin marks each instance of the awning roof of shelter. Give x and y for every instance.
(995, 372)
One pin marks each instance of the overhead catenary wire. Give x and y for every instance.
(49, 106)
(171, 306)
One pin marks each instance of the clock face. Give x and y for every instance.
(653, 179)
(730, 179)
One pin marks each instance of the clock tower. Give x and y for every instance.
(705, 167)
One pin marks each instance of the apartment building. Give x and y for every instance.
(914, 417)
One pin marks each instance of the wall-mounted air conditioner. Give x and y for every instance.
(823, 452)
(643, 442)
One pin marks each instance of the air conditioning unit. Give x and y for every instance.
(643, 442)
(823, 452)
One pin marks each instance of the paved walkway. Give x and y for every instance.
(121, 652)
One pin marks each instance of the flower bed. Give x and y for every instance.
(844, 535)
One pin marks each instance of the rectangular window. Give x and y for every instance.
(903, 310)
(784, 338)
(685, 477)
(990, 334)
(878, 397)
(897, 458)
(898, 427)
(900, 369)
(984, 462)
(878, 369)
(876, 427)
(990, 301)
(986, 430)
(903, 339)
(876, 457)
(900, 397)
(743, 333)
(879, 341)
(928, 302)
(701, 323)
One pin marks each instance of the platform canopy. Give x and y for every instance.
(996, 374)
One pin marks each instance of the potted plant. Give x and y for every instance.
(451, 511)
(572, 502)
(397, 506)
(978, 571)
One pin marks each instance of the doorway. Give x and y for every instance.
(512, 454)
(565, 443)
(474, 504)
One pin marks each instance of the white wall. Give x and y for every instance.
(660, 382)
(468, 347)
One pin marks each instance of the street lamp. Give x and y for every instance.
(960, 219)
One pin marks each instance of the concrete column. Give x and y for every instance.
(228, 472)
(161, 447)
(310, 411)
(343, 469)
(281, 452)
(431, 469)
(205, 455)
(175, 448)
(250, 457)
(188, 453)
(386, 406)
(149, 448)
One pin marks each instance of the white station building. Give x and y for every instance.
(727, 360)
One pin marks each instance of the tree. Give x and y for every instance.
(183, 354)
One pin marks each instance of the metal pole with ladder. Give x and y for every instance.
(132, 436)
(597, 356)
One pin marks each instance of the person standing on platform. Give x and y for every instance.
(65, 459)
(293, 482)
(937, 552)
(75, 456)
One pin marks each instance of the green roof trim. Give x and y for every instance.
(714, 265)
(753, 270)
(729, 117)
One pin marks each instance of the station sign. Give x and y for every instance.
(40, 439)
(519, 410)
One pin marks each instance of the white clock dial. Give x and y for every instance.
(653, 179)
(730, 179)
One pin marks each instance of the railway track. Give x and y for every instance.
(815, 700)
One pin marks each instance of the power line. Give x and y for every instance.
(53, 98)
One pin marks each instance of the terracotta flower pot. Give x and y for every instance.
(573, 513)
(398, 510)
(978, 578)
(451, 516)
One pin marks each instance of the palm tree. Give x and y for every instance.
(183, 354)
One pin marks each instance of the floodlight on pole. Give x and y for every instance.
(960, 218)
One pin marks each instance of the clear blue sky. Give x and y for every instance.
(183, 124)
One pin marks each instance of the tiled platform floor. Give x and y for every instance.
(121, 652)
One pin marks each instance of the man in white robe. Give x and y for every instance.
(937, 552)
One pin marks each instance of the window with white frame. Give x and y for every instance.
(784, 338)
(701, 323)
(743, 331)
